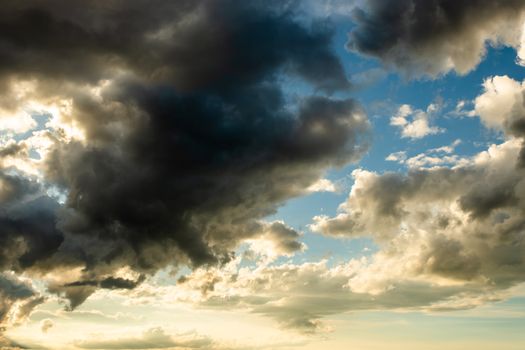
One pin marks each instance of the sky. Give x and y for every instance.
(234, 175)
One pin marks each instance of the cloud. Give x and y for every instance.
(283, 239)
(462, 223)
(501, 106)
(520, 59)
(17, 301)
(447, 238)
(28, 222)
(323, 185)
(421, 37)
(303, 297)
(400, 157)
(154, 338)
(414, 124)
(434, 157)
(425, 160)
(167, 137)
(46, 325)
(446, 149)
(8, 344)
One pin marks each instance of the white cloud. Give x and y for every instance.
(17, 122)
(322, 185)
(501, 103)
(399, 157)
(433, 157)
(446, 149)
(415, 124)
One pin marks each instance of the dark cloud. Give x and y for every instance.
(189, 137)
(108, 283)
(27, 234)
(481, 201)
(78, 291)
(13, 291)
(190, 44)
(219, 175)
(434, 36)
(27, 221)
(11, 149)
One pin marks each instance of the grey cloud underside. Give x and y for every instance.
(28, 223)
(465, 224)
(430, 37)
(190, 143)
(14, 291)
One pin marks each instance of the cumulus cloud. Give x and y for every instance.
(501, 106)
(283, 239)
(421, 37)
(167, 137)
(462, 225)
(414, 124)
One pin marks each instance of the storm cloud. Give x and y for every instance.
(421, 37)
(169, 133)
